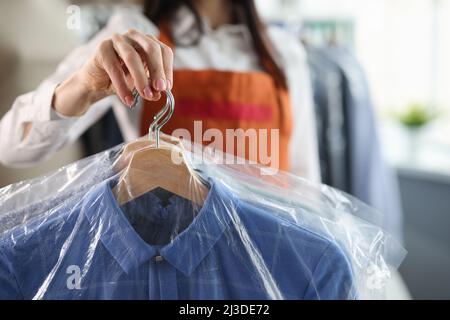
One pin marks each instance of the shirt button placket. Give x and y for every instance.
(165, 279)
(153, 284)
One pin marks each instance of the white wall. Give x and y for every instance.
(443, 79)
(36, 29)
(33, 39)
(394, 41)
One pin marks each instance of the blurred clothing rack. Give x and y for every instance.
(348, 140)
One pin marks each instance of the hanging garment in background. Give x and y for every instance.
(369, 177)
(330, 116)
(102, 135)
(229, 249)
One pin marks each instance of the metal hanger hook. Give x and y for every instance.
(157, 124)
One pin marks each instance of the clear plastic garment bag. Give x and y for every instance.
(162, 218)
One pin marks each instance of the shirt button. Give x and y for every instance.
(158, 258)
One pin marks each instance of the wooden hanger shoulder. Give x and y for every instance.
(166, 167)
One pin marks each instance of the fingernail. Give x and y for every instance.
(169, 84)
(129, 100)
(160, 85)
(148, 92)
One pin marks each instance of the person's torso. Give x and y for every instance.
(242, 112)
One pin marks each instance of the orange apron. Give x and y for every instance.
(225, 100)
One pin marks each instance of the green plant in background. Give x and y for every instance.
(416, 115)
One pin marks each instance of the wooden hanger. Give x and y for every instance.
(152, 166)
(140, 144)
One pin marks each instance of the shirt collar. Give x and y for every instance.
(184, 26)
(184, 253)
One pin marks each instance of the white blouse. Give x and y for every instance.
(226, 48)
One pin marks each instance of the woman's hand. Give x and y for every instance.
(118, 65)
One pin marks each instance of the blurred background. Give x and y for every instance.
(401, 48)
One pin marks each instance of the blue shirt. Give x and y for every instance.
(228, 249)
